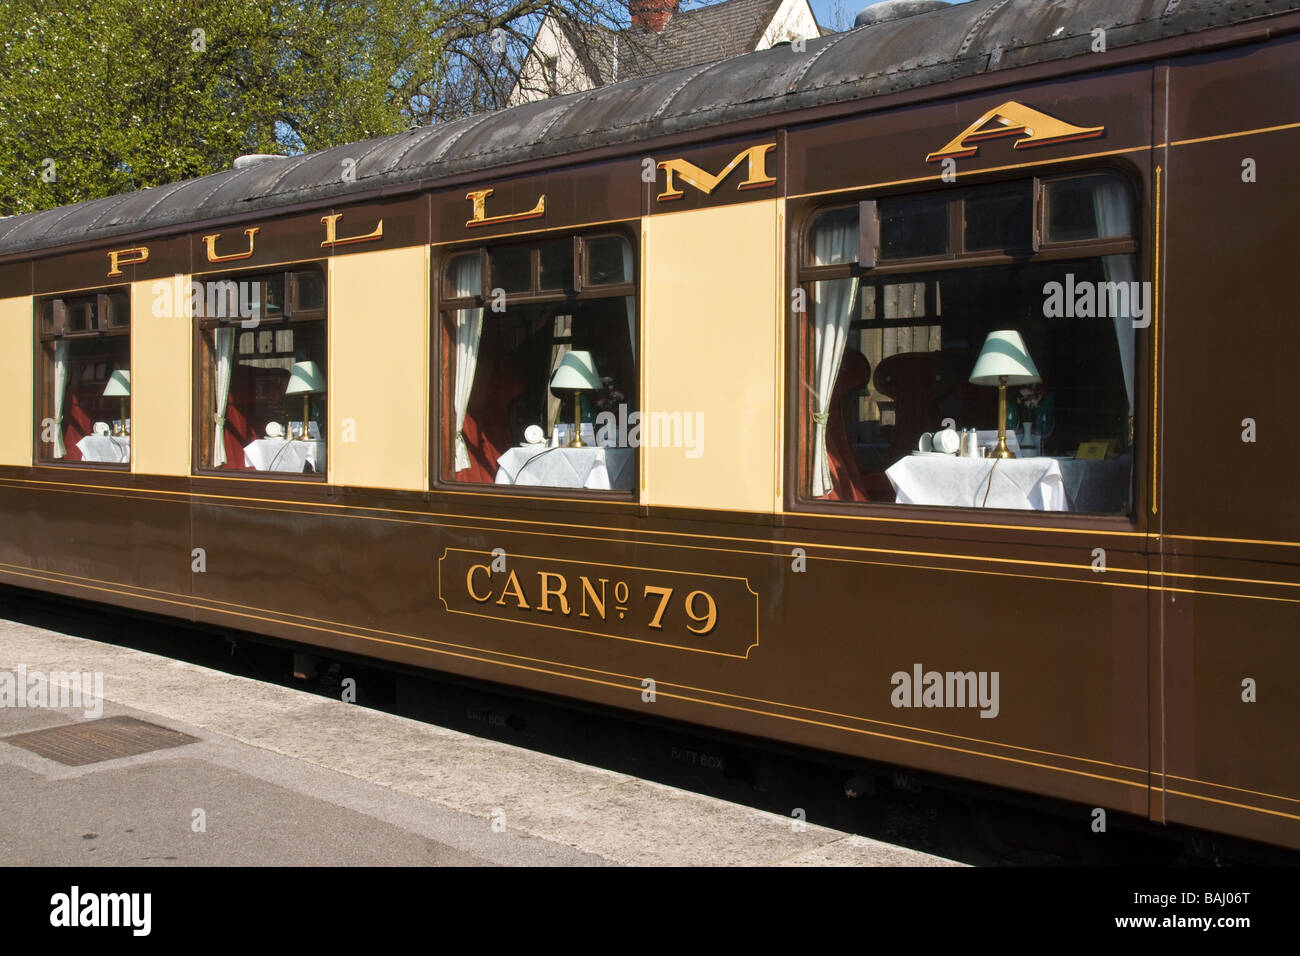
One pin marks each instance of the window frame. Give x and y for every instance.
(43, 397)
(201, 370)
(443, 306)
(801, 275)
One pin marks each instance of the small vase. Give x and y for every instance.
(1027, 433)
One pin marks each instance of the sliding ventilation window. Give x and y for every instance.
(261, 376)
(537, 338)
(85, 378)
(920, 307)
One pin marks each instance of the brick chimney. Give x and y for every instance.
(651, 15)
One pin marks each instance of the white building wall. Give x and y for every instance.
(570, 76)
(793, 20)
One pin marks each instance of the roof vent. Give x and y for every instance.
(896, 10)
(252, 159)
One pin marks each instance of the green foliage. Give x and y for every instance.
(99, 97)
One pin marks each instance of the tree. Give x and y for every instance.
(99, 97)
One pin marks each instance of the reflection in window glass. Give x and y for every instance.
(1090, 207)
(999, 220)
(609, 260)
(511, 268)
(556, 267)
(311, 290)
(911, 228)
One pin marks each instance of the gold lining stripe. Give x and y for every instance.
(1229, 803)
(479, 239)
(1155, 360)
(1197, 537)
(1224, 786)
(1244, 132)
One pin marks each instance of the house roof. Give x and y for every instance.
(692, 37)
(969, 39)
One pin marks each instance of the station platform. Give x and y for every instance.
(179, 765)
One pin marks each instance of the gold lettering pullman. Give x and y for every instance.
(479, 216)
(126, 257)
(214, 256)
(755, 159)
(1033, 128)
(332, 238)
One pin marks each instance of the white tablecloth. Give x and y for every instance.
(113, 448)
(1025, 483)
(591, 467)
(276, 454)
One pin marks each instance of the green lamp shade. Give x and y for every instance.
(119, 384)
(305, 379)
(576, 371)
(1004, 360)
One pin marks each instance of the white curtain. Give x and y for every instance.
(832, 310)
(1114, 213)
(224, 348)
(834, 240)
(629, 301)
(1123, 269)
(61, 347)
(469, 329)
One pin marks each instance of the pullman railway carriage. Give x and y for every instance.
(687, 396)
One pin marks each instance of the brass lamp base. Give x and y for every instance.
(1002, 451)
(304, 433)
(576, 440)
(121, 431)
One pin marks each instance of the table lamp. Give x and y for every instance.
(577, 372)
(306, 380)
(1004, 361)
(119, 387)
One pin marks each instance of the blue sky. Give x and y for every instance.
(825, 11)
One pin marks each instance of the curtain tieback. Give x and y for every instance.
(821, 418)
(219, 421)
(58, 420)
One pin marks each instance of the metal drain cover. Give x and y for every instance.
(91, 741)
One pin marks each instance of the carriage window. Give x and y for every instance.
(892, 353)
(609, 260)
(539, 387)
(85, 378)
(913, 228)
(1091, 207)
(262, 365)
